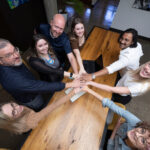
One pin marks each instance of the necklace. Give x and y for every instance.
(81, 40)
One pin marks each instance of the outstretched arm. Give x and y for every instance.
(119, 90)
(79, 60)
(130, 118)
(73, 62)
(88, 77)
(35, 117)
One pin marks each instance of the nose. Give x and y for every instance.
(16, 54)
(122, 41)
(147, 69)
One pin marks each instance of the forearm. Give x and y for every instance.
(79, 59)
(101, 86)
(119, 90)
(46, 111)
(95, 94)
(40, 66)
(115, 129)
(102, 72)
(74, 65)
(73, 62)
(68, 85)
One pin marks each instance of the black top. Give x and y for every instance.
(61, 45)
(22, 85)
(46, 73)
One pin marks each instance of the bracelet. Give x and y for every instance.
(71, 75)
(93, 76)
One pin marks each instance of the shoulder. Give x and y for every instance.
(44, 28)
(72, 38)
(64, 36)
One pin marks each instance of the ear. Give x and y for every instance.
(1, 62)
(51, 22)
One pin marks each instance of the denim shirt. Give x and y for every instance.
(131, 121)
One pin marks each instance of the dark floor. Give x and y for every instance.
(101, 15)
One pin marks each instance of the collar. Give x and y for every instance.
(51, 34)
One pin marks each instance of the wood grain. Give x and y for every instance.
(79, 125)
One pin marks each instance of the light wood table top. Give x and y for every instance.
(79, 125)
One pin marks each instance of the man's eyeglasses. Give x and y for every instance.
(9, 55)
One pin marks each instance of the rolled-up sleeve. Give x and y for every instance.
(137, 89)
(119, 64)
(110, 144)
(130, 118)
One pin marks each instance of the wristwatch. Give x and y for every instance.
(93, 76)
(71, 75)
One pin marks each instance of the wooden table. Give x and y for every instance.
(79, 125)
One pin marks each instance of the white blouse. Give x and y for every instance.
(129, 59)
(135, 88)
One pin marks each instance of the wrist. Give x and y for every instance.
(71, 75)
(74, 76)
(68, 85)
(66, 74)
(93, 76)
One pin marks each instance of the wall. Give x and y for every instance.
(128, 17)
(50, 8)
(17, 25)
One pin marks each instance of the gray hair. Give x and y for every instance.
(3, 43)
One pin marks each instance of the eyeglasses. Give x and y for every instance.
(14, 111)
(142, 139)
(9, 55)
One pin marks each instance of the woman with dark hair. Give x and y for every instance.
(19, 119)
(132, 134)
(77, 40)
(44, 60)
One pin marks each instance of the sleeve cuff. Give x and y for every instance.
(110, 71)
(104, 102)
(111, 142)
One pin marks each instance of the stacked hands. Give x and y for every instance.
(81, 81)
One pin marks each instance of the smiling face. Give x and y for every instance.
(57, 25)
(9, 56)
(126, 40)
(145, 71)
(42, 47)
(139, 138)
(12, 110)
(79, 30)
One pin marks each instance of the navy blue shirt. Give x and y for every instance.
(22, 85)
(61, 45)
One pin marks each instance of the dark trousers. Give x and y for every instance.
(121, 99)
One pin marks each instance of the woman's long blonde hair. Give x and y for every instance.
(17, 125)
(135, 74)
